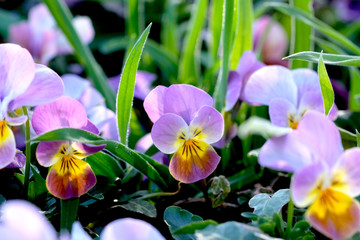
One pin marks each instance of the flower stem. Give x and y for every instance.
(28, 154)
(290, 215)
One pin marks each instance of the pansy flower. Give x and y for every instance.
(288, 93)
(69, 176)
(185, 123)
(23, 83)
(41, 36)
(326, 178)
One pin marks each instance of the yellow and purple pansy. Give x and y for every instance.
(23, 83)
(185, 123)
(69, 176)
(326, 178)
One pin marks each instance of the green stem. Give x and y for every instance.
(28, 154)
(69, 210)
(161, 194)
(290, 215)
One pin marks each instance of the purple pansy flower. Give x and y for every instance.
(23, 83)
(69, 176)
(326, 178)
(289, 94)
(41, 36)
(185, 123)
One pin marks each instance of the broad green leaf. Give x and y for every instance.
(125, 94)
(176, 218)
(315, 23)
(220, 189)
(331, 59)
(140, 206)
(260, 126)
(142, 163)
(192, 227)
(301, 231)
(69, 210)
(229, 231)
(226, 38)
(189, 67)
(215, 23)
(243, 40)
(326, 87)
(301, 33)
(105, 165)
(63, 17)
(266, 205)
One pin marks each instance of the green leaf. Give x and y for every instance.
(331, 59)
(229, 231)
(105, 165)
(140, 206)
(192, 227)
(113, 44)
(259, 126)
(63, 17)
(315, 23)
(135, 20)
(266, 205)
(215, 23)
(220, 188)
(243, 40)
(125, 94)
(226, 37)
(301, 33)
(354, 88)
(176, 218)
(169, 28)
(189, 67)
(348, 139)
(326, 87)
(142, 163)
(69, 210)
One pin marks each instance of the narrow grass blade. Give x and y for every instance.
(326, 88)
(69, 210)
(169, 28)
(215, 23)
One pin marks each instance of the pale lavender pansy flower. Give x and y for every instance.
(69, 176)
(288, 93)
(185, 123)
(23, 83)
(94, 103)
(276, 42)
(326, 178)
(41, 36)
(129, 228)
(143, 83)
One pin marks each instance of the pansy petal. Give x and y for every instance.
(70, 178)
(18, 162)
(233, 90)
(45, 87)
(166, 131)
(91, 98)
(22, 220)
(129, 228)
(311, 101)
(143, 84)
(306, 81)
(337, 216)
(347, 173)
(91, 127)
(271, 82)
(87, 149)
(154, 103)
(208, 125)
(106, 121)
(281, 112)
(17, 70)
(20, 33)
(193, 161)
(7, 145)
(74, 85)
(64, 112)
(305, 183)
(185, 100)
(48, 153)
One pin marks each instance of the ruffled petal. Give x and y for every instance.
(48, 153)
(233, 90)
(335, 215)
(154, 103)
(70, 177)
(129, 228)
(169, 132)
(208, 125)
(45, 87)
(283, 113)
(271, 82)
(64, 112)
(185, 101)
(307, 183)
(193, 161)
(7, 145)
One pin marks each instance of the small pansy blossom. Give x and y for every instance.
(23, 83)
(326, 178)
(289, 94)
(69, 176)
(185, 123)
